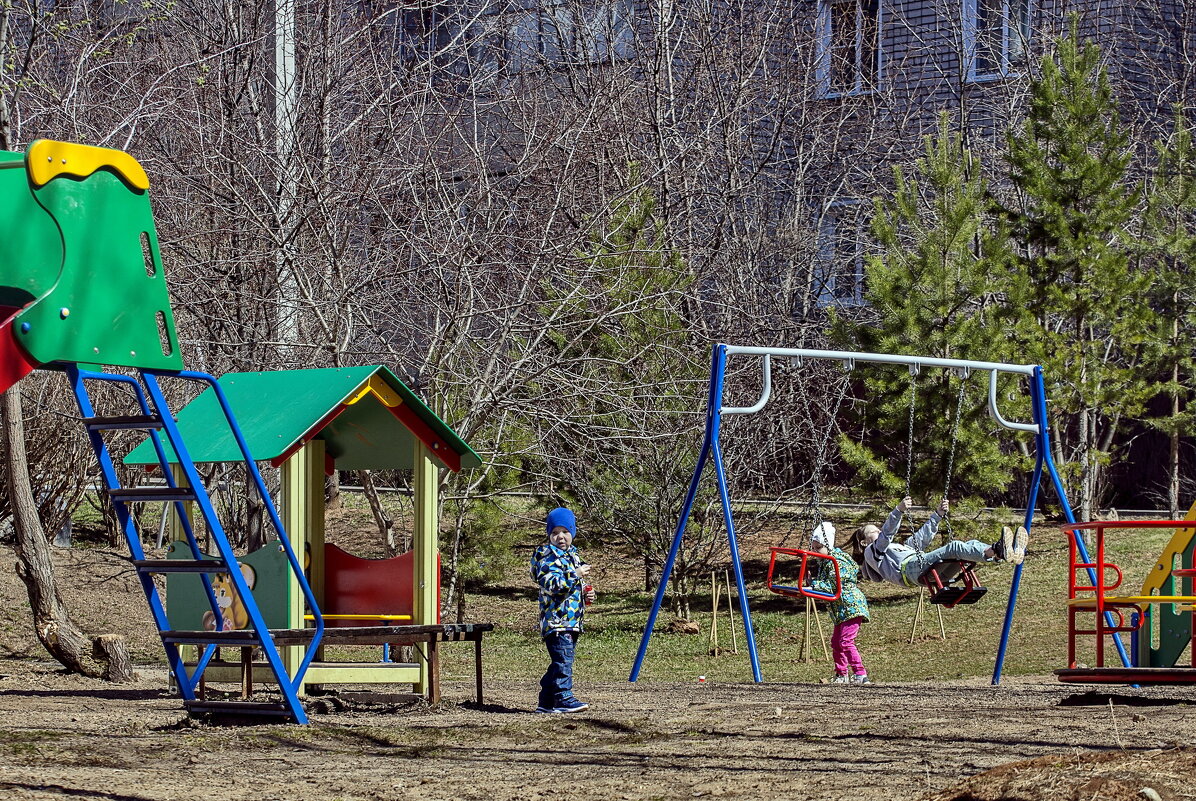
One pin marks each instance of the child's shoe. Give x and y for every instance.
(571, 705)
(1021, 539)
(1003, 549)
(860, 678)
(840, 678)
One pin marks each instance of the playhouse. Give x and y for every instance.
(321, 420)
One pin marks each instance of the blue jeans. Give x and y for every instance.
(963, 550)
(556, 686)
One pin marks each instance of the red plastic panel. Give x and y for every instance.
(15, 363)
(357, 586)
(801, 589)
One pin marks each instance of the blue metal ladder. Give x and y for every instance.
(155, 416)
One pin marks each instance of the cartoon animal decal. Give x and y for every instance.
(232, 611)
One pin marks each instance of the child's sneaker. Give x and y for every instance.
(1021, 539)
(571, 705)
(548, 710)
(840, 678)
(1003, 550)
(861, 678)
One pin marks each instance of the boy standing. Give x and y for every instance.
(557, 567)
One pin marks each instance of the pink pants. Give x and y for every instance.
(847, 657)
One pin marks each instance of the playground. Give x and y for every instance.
(296, 622)
(794, 737)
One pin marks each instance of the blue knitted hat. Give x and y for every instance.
(561, 516)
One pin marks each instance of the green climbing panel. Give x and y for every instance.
(1172, 628)
(103, 296)
(30, 247)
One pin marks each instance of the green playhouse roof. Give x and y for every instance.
(367, 418)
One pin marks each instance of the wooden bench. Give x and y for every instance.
(430, 636)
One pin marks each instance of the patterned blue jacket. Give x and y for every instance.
(561, 607)
(852, 602)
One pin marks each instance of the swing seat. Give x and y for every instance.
(953, 582)
(802, 589)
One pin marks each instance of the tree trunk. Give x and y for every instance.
(1173, 455)
(385, 523)
(106, 656)
(332, 491)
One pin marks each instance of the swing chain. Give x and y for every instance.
(909, 442)
(821, 460)
(954, 442)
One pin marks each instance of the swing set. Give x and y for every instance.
(949, 583)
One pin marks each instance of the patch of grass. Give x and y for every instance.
(28, 742)
(1037, 645)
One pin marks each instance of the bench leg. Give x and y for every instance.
(477, 666)
(246, 672)
(433, 672)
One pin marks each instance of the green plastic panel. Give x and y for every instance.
(30, 246)
(278, 410)
(105, 307)
(1174, 628)
(187, 606)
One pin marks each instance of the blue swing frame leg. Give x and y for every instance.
(1044, 458)
(710, 448)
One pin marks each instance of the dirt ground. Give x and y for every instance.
(64, 736)
(963, 740)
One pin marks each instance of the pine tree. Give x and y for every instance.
(1169, 248)
(1078, 308)
(629, 385)
(930, 287)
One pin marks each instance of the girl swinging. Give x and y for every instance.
(906, 564)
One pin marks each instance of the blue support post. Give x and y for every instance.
(77, 376)
(287, 686)
(749, 633)
(108, 470)
(714, 393)
(1043, 459)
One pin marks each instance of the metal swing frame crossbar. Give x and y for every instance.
(711, 450)
(154, 407)
(850, 359)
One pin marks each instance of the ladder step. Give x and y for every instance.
(246, 637)
(145, 494)
(144, 422)
(180, 565)
(237, 708)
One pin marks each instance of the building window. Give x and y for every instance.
(557, 35)
(849, 53)
(996, 34)
(839, 265)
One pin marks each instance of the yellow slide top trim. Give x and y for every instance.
(1135, 599)
(48, 159)
(377, 387)
(358, 617)
(1178, 544)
